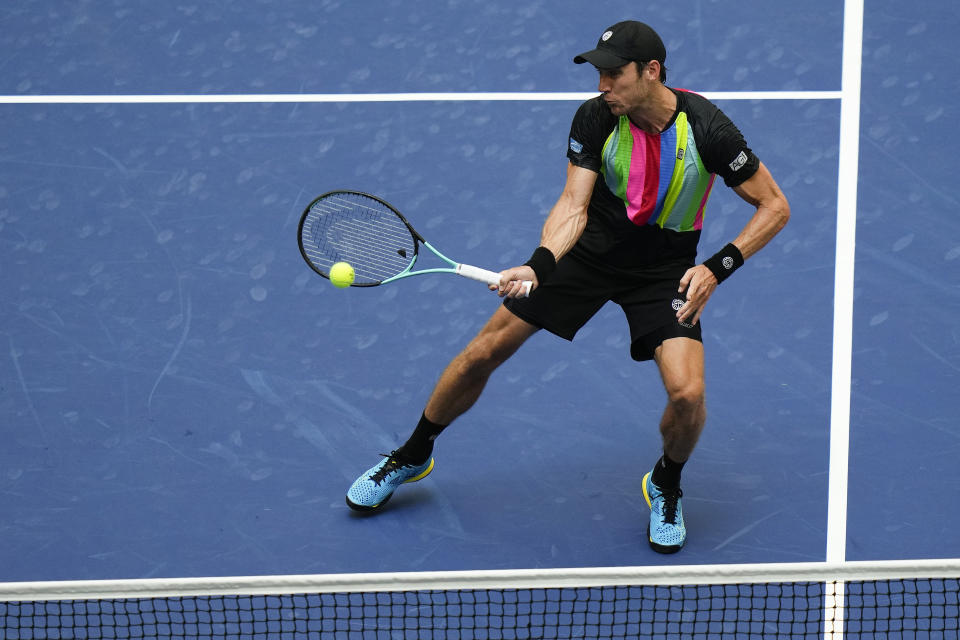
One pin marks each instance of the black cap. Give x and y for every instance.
(627, 41)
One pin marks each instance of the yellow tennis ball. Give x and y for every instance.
(342, 275)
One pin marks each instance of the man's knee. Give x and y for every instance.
(681, 367)
(495, 343)
(483, 353)
(687, 394)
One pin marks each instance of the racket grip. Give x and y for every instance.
(489, 277)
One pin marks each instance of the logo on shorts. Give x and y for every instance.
(677, 304)
(575, 146)
(739, 161)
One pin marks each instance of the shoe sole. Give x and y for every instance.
(365, 508)
(659, 548)
(375, 507)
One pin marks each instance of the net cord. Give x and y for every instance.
(480, 579)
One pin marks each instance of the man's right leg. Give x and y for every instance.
(465, 377)
(458, 388)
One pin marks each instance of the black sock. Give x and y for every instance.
(666, 473)
(419, 446)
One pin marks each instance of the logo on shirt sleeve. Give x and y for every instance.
(739, 161)
(576, 147)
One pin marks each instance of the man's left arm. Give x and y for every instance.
(773, 212)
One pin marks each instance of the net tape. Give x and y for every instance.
(808, 600)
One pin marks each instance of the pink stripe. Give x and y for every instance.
(698, 222)
(642, 170)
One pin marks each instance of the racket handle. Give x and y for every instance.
(489, 277)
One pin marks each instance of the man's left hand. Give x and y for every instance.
(698, 283)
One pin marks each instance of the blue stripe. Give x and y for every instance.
(668, 156)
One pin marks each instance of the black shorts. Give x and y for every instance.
(577, 290)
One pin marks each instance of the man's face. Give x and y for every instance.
(624, 88)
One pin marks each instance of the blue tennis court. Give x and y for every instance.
(181, 396)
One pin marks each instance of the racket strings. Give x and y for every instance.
(368, 235)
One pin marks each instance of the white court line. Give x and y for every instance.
(387, 97)
(849, 96)
(843, 280)
(847, 181)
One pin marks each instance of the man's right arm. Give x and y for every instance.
(562, 228)
(568, 217)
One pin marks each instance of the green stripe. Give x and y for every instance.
(676, 180)
(619, 147)
(690, 216)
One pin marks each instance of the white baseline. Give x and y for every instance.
(479, 96)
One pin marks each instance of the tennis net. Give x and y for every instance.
(897, 599)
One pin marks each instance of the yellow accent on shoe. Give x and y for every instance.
(646, 496)
(423, 475)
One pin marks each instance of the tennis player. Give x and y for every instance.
(643, 159)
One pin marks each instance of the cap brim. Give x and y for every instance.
(601, 59)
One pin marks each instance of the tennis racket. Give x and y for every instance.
(377, 241)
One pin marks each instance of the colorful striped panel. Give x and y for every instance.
(660, 178)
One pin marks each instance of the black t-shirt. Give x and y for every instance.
(648, 202)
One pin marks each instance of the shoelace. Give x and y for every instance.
(393, 464)
(671, 502)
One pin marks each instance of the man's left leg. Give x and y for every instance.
(680, 361)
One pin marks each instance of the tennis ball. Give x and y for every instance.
(342, 275)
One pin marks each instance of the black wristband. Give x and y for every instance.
(543, 264)
(724, 262)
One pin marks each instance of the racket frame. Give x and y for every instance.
(491, 278)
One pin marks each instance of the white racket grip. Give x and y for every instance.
(489, 277)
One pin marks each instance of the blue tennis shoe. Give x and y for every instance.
(371, 490)
(666, 530)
